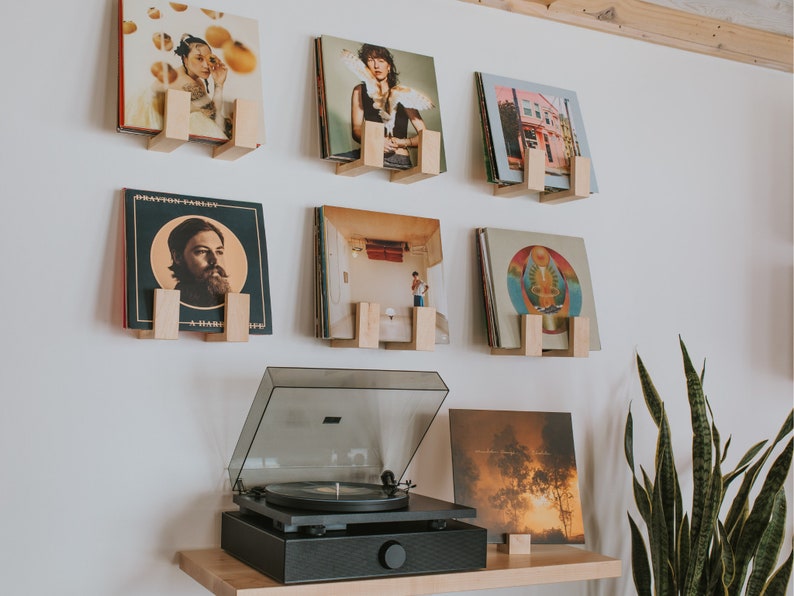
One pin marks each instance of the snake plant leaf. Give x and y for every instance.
(787, 427)
(728, 563)
(648, 482)
(640, 569)
(652, 399)
(743, 464)
(768, 547)
(665, 479)
(697, 572)
(725, 450)
(643, 501)
(778, 582)
(760, 514)
(658, 540)
(701, 441)
(682, 550)
(739, 509)
(628, 440)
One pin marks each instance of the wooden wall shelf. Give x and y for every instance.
(535, 176)
(176, 127)
(367, 330)
(372, 137)
(223, 575)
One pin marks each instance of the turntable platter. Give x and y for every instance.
(335, 496)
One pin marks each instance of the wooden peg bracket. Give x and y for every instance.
(531, 338)
(165, 320)
(428, 159)
(176, 122)
(245, 130)
(535, 175)
(531, 327)
(516, 544)
(579, 183)
(423, 331)
(367, 328)
(578, 339)
(372, 135)
(236, 319)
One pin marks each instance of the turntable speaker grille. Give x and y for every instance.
(354, 553)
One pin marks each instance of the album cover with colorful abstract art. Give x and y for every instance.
(533, 273)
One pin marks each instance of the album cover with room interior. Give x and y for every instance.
(390, 259)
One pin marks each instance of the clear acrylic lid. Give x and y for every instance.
(339, 425)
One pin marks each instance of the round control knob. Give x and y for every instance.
(392, 555)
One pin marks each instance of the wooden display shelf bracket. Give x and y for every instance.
(428, 159)
(423, 331)
(367, 332)
(516, 544)
(531, 327)
(176, 127)
(165, 321)
(236, 318)
(371, 156)
(245, 131)
(176, 122)
(223, 575)
(535, 176)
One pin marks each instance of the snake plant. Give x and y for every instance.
(717, 547)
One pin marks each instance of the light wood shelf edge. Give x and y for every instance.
(664, 26)
(223, 575)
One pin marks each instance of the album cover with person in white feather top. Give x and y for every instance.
(362, 81)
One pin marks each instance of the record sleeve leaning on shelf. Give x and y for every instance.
(518, 469)
(205, 248)
(362, 81)
(212, 55)
(520, 115)
(528, 273)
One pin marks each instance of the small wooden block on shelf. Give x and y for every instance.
(245, 131)
(223, 575)
(367, 328)
(236, 319)
(176, 122)
(516, 544)
(531, 328)
(535, 176)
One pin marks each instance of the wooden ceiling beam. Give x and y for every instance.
(662, 25)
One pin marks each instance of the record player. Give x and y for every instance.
(317, 474)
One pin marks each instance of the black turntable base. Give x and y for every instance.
(360, 550)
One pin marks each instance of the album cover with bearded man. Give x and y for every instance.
(205, 248)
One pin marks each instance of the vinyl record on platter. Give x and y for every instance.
(335, 496)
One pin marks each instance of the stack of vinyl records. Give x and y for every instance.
(519, 115)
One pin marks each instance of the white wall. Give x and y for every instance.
(113, 449)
